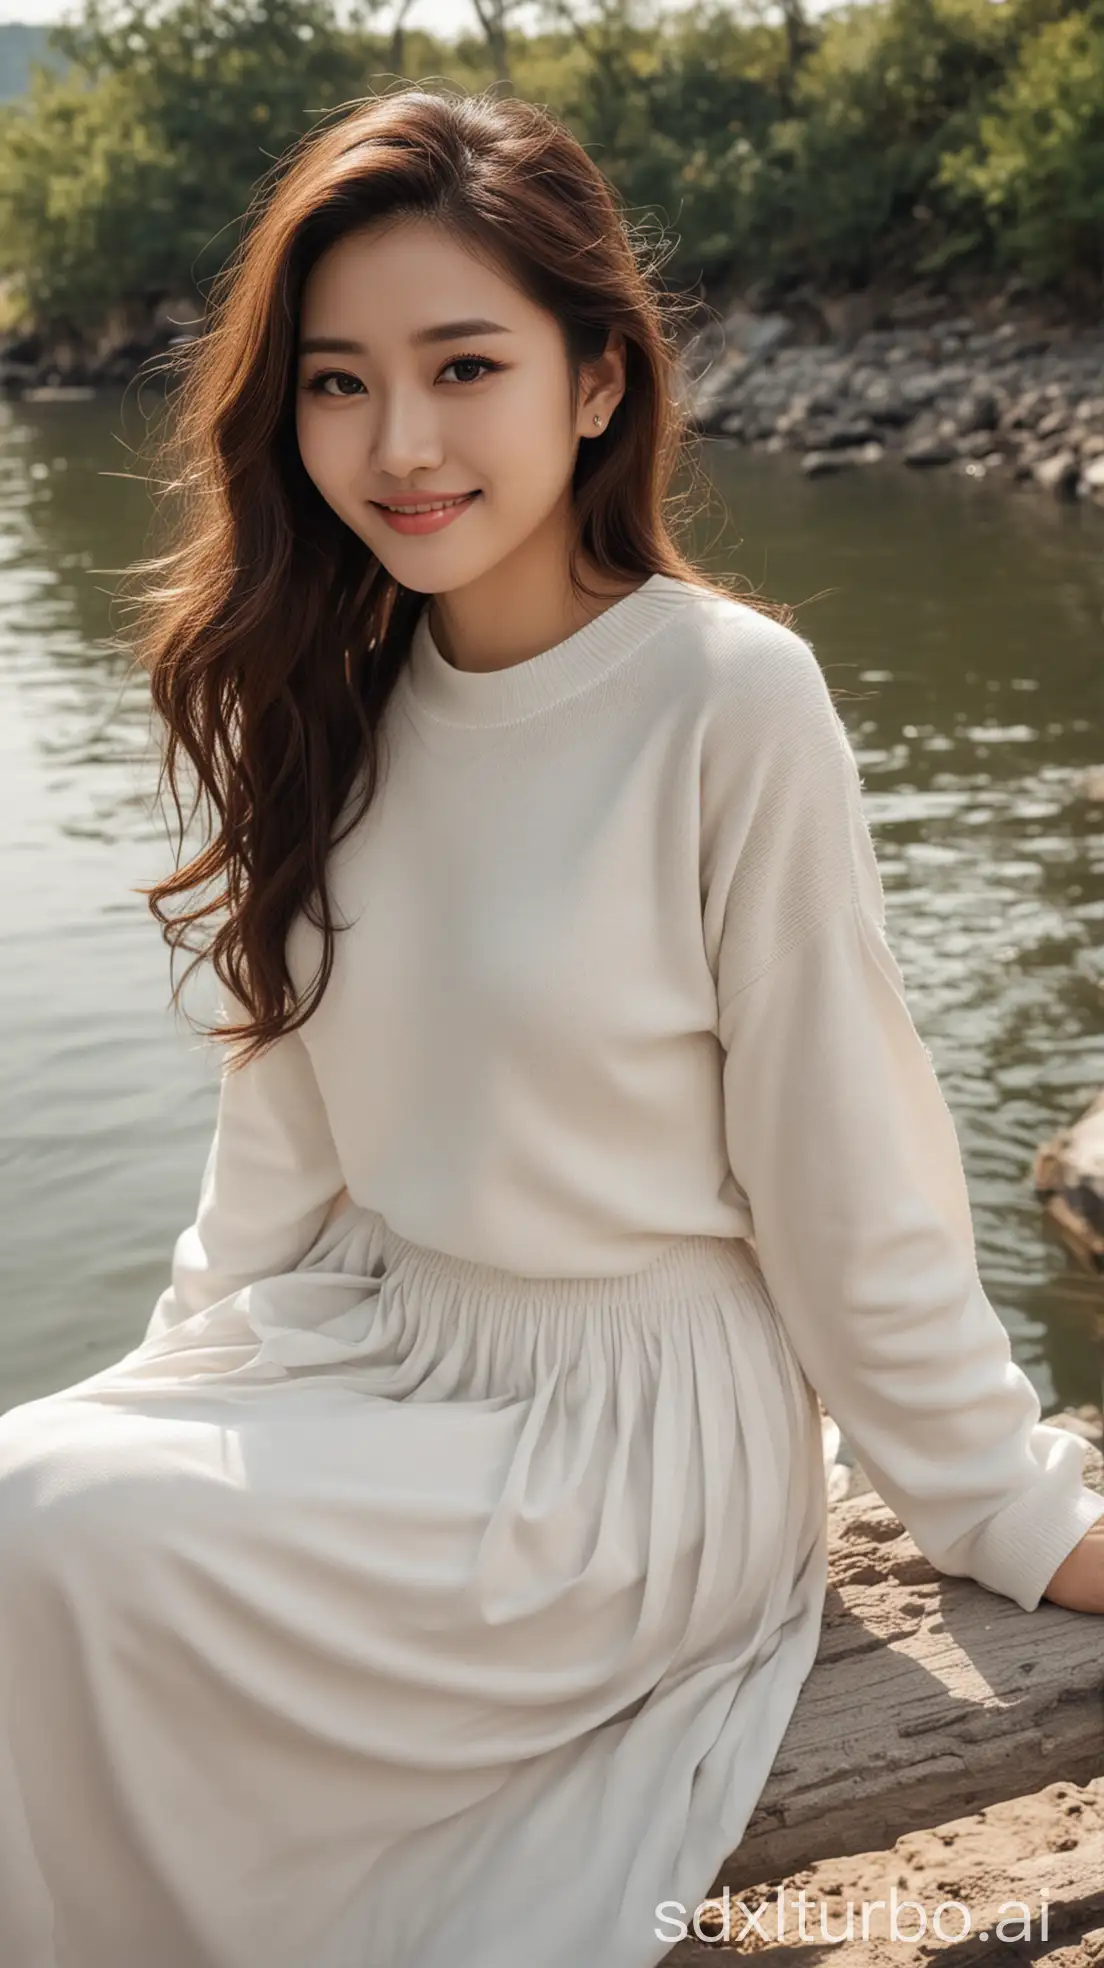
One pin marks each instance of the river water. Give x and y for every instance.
(961, 626)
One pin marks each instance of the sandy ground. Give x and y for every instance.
(1009, 1866)
(1005, 1866)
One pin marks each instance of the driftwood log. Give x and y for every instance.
(1069, 1180)
(930, 1699)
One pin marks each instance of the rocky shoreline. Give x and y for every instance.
(36, 367)
(923, 384)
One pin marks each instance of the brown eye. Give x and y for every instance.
(482, 363)
(318, 383)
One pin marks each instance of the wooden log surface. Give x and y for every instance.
(930, 1698)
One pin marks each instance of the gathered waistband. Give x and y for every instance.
(367, 1240)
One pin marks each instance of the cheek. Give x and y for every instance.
(527, 449)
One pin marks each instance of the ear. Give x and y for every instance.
(601, 387)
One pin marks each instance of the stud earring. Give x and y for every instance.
(598, 420)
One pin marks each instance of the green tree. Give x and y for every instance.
(1036, 166)
(677, 109)
(856, 170)
(125, 177)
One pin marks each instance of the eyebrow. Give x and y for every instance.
(441, 331)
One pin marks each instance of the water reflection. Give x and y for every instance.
(107, 1098)
(959, 624)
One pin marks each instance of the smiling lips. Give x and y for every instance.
(424, 515)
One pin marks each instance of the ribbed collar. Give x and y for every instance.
(481, 697)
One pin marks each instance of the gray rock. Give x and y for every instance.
(981, 411)
(728, 357)
(929, 450)
(920, 389)
(930, 388)
(954, 376)
(1058, 474)
(1025, 411)
(1053, 423)
(974, 444)
(713, 392)
(818, 464)
(847, 435)
(1090, 485)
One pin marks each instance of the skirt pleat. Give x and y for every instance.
(401, 1612)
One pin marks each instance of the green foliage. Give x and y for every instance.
(126, 175)
(878, 100)
(680, 119)
(1036, 163)
(884, 135)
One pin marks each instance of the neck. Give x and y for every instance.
(520, 607)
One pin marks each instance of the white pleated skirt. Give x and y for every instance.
(401, 1612)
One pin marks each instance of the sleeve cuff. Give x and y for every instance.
(1017, 1551)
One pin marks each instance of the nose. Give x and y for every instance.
(406, 437)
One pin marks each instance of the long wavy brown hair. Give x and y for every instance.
(271, 634)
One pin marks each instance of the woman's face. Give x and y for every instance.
(423, 373)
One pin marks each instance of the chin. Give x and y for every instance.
(422, 574)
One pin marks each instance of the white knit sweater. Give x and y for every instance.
(616, 973)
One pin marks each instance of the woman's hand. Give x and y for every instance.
(1079, 1581)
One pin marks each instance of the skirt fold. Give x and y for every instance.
(397, 1611)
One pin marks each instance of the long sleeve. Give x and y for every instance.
(271, 1176)
(841, 1140)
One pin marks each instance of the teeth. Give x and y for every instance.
(439, 505)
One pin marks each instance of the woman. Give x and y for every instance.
(435, 1580)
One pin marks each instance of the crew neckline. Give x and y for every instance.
(478, 697)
